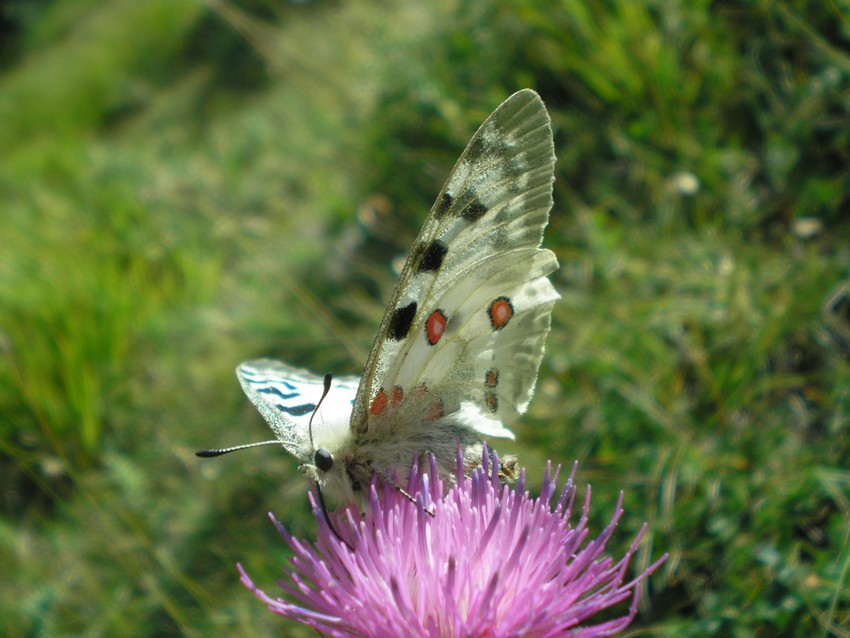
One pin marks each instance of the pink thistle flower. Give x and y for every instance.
(490, 561)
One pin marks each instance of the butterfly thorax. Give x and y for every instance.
(357, 460)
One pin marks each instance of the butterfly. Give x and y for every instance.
(458, 350)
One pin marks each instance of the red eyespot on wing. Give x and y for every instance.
(500, 312)
(434, 411)
(398, 395)
(491, 379)
(492, 401)
(435, 326)
(379, 403)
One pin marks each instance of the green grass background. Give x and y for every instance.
(185, 185)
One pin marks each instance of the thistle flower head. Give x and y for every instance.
(476, 559)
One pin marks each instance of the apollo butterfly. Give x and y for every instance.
(459, 347)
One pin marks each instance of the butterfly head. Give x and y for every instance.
(319, 464)
(332, 432)
(323, 460)
(334, 473)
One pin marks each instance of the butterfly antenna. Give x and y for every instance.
(324, 509)
(327, 389)
(398, 488)
(227, 450)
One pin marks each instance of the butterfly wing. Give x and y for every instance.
(465, 329)
(286, 397)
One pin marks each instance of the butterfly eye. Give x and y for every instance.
(323, 460)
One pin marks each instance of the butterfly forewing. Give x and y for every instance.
(468, 318)
(286, 397)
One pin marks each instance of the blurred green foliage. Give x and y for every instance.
(188, 185)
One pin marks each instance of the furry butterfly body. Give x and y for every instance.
(458, 350)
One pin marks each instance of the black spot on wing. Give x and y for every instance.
(277, 392)
(474, 211)
(296, 410)
(477, 149)
(259, 377)
(432, 257)
(401, 321)
(445, 204)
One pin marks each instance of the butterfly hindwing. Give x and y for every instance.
(466, 325)
(286, 397)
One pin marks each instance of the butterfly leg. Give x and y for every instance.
(398, 488)
(508, 467)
